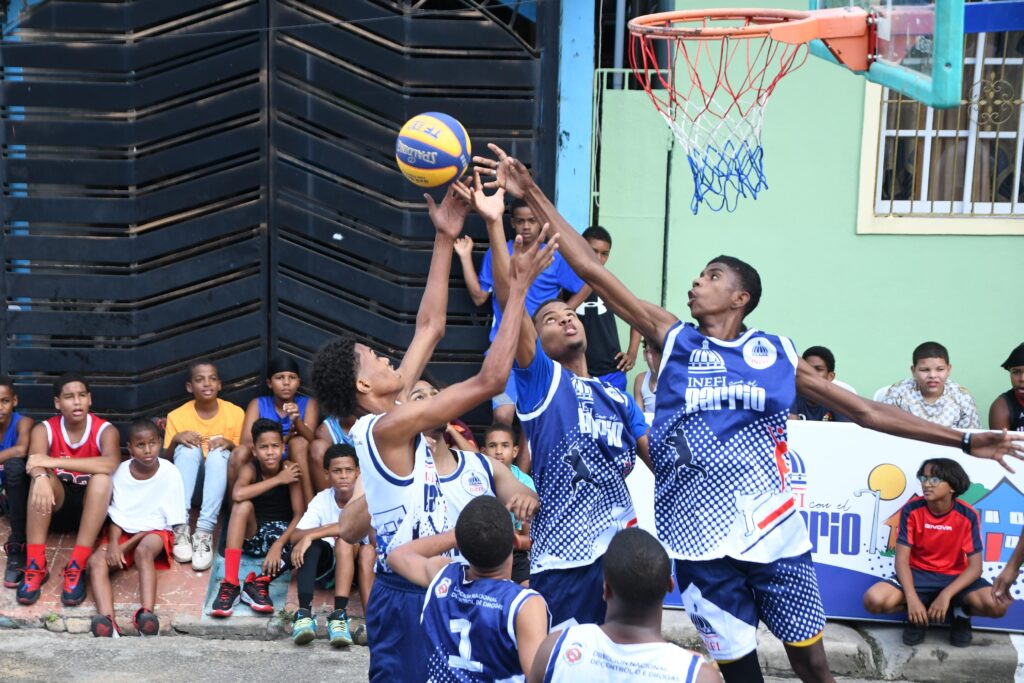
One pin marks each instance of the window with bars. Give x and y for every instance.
(963, 162)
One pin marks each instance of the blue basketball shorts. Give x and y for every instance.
(573, 595)
(725, 598)
(398, 648)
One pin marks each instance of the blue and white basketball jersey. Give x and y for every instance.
(718, 445)
(472, 477)
(470, 627)
(586, 653)
(582, 436)
(401, 508)
(338, 433)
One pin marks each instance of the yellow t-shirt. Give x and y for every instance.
(227, 423)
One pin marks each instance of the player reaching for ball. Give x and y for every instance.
(723, 503)
(400, 481)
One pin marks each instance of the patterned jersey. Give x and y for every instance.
(718, 445)
(61, 447)
(470, 627)
(582, 436)
(939, 543)
(586, 653)
(954, 408)
(401, 508)
(472, 477)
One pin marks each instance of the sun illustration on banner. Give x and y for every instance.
(886, 482)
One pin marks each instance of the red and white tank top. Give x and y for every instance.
(61, 447)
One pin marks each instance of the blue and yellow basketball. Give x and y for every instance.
(432, 149)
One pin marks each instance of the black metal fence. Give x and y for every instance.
(216, 179)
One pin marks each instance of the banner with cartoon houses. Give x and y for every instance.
(850, 483)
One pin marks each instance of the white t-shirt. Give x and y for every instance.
(157, 503)
(322, 510)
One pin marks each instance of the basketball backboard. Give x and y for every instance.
(919, 47)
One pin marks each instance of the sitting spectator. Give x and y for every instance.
(62, 499)
(646, 383)
(938, 560)
(14, 436)
(148, 503)
(316, 551)
(637, 575)
(479, 625)
(1007, 411)
(824, 363)
(930, 394)
(267, 507)
(202, 433)
(331, 432)
(297, 414)
(605, 358)
(499, 443)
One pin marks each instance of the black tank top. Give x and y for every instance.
(1016, 411)
(274, 505)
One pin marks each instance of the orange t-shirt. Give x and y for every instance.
(227, 423)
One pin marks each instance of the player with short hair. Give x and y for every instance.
(479, 624)
(823, 362)
(930, 394)
(584, 435)
(402, 493)
(637, 575)
(66, 499)
(723, 499)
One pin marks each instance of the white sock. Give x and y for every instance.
(958, 613)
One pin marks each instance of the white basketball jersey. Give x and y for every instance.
(472, 477)
(401, 508)
(585, 653)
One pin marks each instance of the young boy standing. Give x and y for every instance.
(202, 433)
(147, 505)
(14, 436)
(315, 544)
(479, 625)
(499, 443)
(267, 507)
(938, 560)
(67, 499)
(930, 394)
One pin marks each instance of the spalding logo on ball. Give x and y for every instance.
(432, 149)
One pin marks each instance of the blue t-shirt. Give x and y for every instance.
(268, 411)
(527, 481)
(548, 285)
(10, 437)
(582, 434)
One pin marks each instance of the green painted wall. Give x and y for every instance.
(870, 298)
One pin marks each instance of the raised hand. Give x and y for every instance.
(997, 446)
(491, 208)
(509, 173)
(464, 246)
(449, 216)
(529, 262)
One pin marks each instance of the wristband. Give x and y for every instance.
(965, 443)
(44, 474)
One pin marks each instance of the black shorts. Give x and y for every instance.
(69, 516)
(520, 566)
(928, 585)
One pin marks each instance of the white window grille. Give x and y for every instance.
(991, 516)
(961, 162)
(1011, 542)
(1017, 518)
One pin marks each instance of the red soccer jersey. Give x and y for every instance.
(940, 543)
(61, 446)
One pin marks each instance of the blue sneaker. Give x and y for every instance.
(304, 627)
(74, 585)
(337, 629)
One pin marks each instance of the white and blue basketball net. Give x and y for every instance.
(712, 94)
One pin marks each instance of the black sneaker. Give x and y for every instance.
(146, 623)
(104, 627)
(74, 585)
(227, 598)
(256, 593)
(913, 634)
(15, 570)
(960, 634)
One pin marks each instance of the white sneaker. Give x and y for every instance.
(202, 550)
(182, 544)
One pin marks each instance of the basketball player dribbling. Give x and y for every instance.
(723, 503)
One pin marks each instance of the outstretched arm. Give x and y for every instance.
(512, 176)
(891, 420)
(464, 248)
(430, 320)
(396, 429)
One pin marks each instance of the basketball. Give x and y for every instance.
(432, 149)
